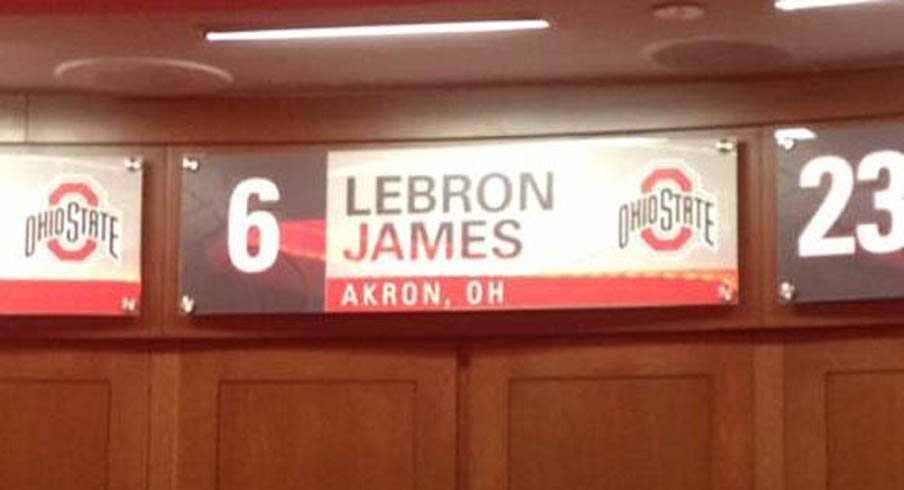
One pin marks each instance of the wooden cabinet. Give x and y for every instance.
(73, 418)
(614, 415)
(844, 424)
(321, 417)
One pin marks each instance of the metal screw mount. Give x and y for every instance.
(191, 164)
(187, 305)
(787, 292)
(726, 293)
(134, 164)
(787, 144)
(727, 146)
(129, 304)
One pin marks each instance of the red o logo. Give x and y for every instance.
(90, 244)
(684, 183)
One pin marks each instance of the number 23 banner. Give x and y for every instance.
(539, 224)
(841, 212)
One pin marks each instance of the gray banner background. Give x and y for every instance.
(858, 277)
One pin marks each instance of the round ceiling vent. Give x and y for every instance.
(143, 77)
(716, 56)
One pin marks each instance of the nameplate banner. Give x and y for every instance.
(70, 235)
(841, 212)
(537, 224)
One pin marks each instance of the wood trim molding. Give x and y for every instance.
(12, 118)
(460, 112)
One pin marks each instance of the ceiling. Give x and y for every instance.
(591, 41)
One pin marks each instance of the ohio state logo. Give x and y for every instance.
(672, 211)
(76, 224)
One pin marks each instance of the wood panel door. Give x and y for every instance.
(621, 415)
(845, 413)
(72, 418)
(318, 418)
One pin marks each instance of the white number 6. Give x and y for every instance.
(241, 221)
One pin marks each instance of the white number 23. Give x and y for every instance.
(813, 241)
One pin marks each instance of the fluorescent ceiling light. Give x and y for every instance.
(814, 4)
(378, 30)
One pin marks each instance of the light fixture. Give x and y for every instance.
(813, 4)
(377, 30)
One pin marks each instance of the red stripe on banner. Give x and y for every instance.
(517, 293)
(67, 297)
(304, 238)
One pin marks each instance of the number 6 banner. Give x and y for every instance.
(249, 245)
(841, 212)
(570, 223)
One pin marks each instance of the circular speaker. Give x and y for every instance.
(143, 77)
(716, 56)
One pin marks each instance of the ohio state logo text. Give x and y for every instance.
(76, 224)
(672, 210)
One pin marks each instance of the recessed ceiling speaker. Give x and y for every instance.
(143, 77)
(716, 56)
